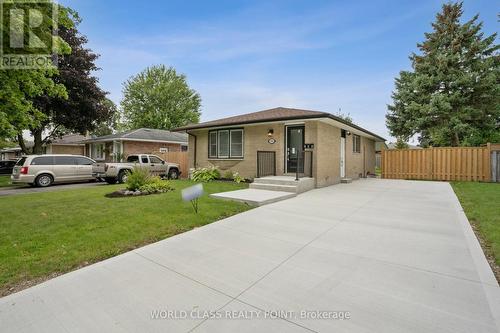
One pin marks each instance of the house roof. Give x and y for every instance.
(69, 139)
(144, 134)
(276, 114)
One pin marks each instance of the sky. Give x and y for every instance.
(246, 56)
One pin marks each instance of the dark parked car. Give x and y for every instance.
(7, 166)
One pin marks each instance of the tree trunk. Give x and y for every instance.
(20, 140)
(38, 142)
(456, 140)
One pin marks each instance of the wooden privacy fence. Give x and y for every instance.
(444, 163)
(179, 157)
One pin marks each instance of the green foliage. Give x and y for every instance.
(452, 95)
(139, 176)
(159, 98)
(156, 185)
(237, 178)
(18, 87)
(228, 174)
(206, 174)
(401, 144)
(345, 116)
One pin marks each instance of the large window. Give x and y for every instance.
(98, 151)
(225, 143)
(356, 143)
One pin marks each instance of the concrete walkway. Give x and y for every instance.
(393, 256)
(253, 196)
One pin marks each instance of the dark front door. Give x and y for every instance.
(294, 147)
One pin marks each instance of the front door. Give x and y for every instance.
(294, 148)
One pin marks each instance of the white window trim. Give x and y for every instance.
(229, 156)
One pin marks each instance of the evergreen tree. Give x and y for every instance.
(452, 95)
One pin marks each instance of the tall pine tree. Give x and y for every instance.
(452, 95)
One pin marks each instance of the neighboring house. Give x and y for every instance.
(139, 141)
(10, 153)
(67, 144)
(314, 143)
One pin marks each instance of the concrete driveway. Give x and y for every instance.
(385, 255)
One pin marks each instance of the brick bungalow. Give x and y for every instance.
(139, 141)
(67, 144)
(284, 141)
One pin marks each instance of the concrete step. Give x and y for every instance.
(274, 187)
(254, 197)
(275, 180)
(346, 180)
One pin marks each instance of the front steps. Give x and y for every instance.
(346, 180)
(283, 184)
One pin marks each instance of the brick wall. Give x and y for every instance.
(140, 147)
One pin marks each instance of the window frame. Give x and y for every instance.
(217, 143)
(95, 149)
(356, 148)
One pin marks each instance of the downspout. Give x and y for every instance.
(194, 150)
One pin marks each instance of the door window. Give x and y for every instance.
(155, 160)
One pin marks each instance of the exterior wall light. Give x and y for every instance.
(270, 132)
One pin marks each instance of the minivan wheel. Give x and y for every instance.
(44, 180)
(173, 174)
(122, 177)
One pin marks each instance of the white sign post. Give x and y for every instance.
(192, 194)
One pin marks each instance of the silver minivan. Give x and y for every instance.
(43, 170)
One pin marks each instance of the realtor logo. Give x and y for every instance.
(28, 31)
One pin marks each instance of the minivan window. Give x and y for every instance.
(84, 161)
(64, 160)
(44, 160)
(21, 161)
(133, 159)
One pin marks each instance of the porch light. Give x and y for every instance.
(270, 132)
(348, 133)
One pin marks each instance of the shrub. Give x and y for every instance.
(137, 178)
(156, 185)
(205, 174)
(228, 174)
(237, 178)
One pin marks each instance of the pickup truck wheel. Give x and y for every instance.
(122, 177)
(110, 180)
(44, 180)
(173, 174)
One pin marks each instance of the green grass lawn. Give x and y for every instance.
(45, 234)
(5, 181)
(481, 202)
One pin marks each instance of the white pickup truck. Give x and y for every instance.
(118, 172)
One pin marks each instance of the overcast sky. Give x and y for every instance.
(245, 56)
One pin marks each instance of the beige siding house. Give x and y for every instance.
(284, 141)
(114, 147)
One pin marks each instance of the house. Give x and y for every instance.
(67, 144)
(10, 153)
(284, 141)
(115, 147)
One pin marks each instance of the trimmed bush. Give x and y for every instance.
(156, 185)
(205, 174)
